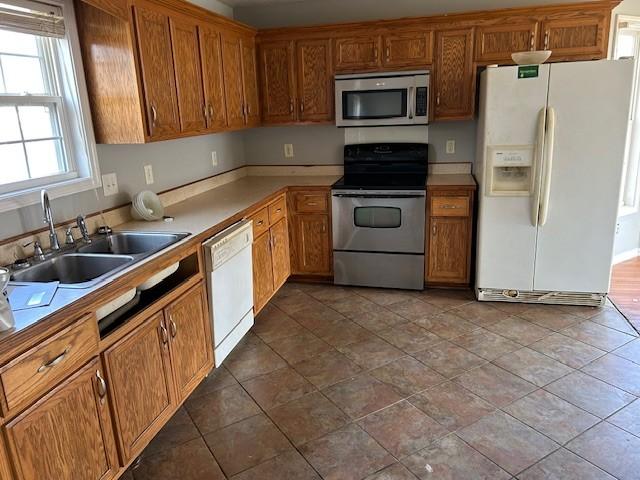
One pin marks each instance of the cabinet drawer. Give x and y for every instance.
(310, 202)
(40, 368)
(277, 210)
(260, 222)
(449, 206)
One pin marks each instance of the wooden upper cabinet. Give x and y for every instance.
(140, 383)
(250, 82)
(583, 37)
(276, 63)
(212, 77)
(234, 93)
(158, 77)
(68, 433)
(186, 57)
(496, 43)
(311, 244)
(409, 49)
(280, 253)
(262, 271)
(315, 80)
(357, 53)
(191, 343)
(454, 75)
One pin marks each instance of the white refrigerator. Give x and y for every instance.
(550, 154)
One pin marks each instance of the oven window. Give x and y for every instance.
(372, 104)
(377, 217)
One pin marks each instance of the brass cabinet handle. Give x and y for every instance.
(438, 100)
(449, 206)
(259, 223)
(154, 116)
(312, 204)
(173, 327)
(546, 40)
(102, 385)
(388, 53)
(301, 106)
(375, 53)
(54, 361)
(211, 111)
(278, 210)
(532, 41)
(291, 106)
(165, 335)
(433, 230)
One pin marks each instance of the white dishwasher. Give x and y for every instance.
(230, 286)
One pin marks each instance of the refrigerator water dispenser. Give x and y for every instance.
(510, 171)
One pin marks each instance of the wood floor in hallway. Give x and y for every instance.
(625, 289)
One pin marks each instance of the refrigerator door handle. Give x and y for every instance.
(539, 158)
(548, 165)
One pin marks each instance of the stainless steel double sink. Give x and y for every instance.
(88, 264)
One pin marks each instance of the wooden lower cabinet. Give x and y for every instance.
(262, 271)
(139, 375)
(280, 253)
(190, 346)
(311, 250)
(449, 237)
(66, 435)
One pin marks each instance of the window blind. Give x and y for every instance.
(28, 16)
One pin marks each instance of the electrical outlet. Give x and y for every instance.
(109, 184)
(148, 174)
(288, 150)
(451, 146)
(214, 158)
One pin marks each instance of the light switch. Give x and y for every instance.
(148, 174)
(451, 146)
(109, 184)
(288, 150)
(214, 158)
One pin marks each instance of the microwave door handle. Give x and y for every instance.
(412, 101)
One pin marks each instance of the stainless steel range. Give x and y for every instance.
(379, 216)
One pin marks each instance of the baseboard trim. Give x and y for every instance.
(624, 256)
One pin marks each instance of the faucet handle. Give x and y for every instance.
(37, 249)
(69, 240)
(82, 226)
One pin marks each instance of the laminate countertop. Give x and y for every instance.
(451, 180)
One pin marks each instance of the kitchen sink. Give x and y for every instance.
(74, 270)
(132, 243)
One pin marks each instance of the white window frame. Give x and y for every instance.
(630, 191)
(75, 125)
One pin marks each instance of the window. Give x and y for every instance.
(627, 44)
(45, 135)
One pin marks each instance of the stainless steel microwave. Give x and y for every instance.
(382, 99)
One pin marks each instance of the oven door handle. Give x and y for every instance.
(359, 195)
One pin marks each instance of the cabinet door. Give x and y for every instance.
(250, 82)
(280, 253)
(191, 341)
(140, 384)
(67, 435)
(448, 250)
(186, 60)
(158, 79)
(454, 75)
(315, 80)
(496, 43)
(234, 94)
(277, 81)
(357, 53)
(213, 78)
(577, 37)
(262, 271)
(5, 467)
(312, 244)
(410, 49)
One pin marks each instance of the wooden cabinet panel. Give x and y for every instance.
(234, 94)
(277, 210)
(449, 206)
(186, 58)
(250, 82)
(67, 434)
(584, 37)
(454, 75)
(357, 53)
(496, 43)
(190, 340)
(315, 80)
(280, 253)
(5, 466)
(40, 368)
(310, 202)
(312, 244)
(158, 78)
(260, 221)
(277, 82)
(139, 373)
(448, 250)
(262, 271)
(410, 49)
(213, 77)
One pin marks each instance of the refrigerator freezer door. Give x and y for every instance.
(575, 245)
(509, 112)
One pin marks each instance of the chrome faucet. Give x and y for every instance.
(48, 219)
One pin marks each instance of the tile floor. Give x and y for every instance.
(349, 383)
